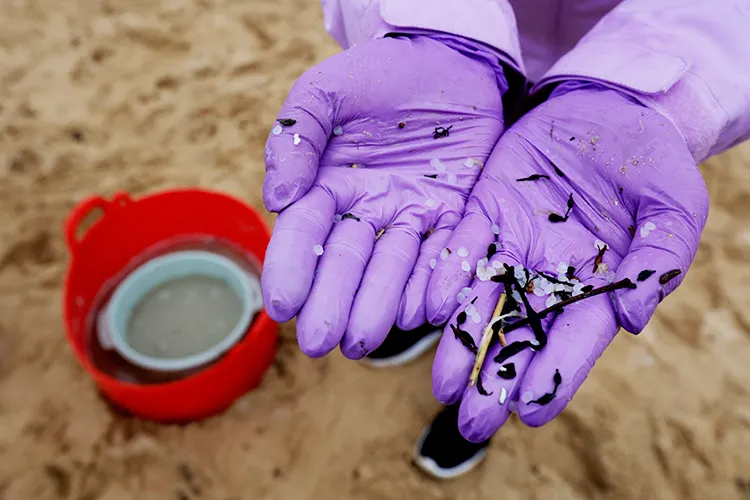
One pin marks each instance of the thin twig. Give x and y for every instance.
(625, 283)
(501, 337)
(485, 342)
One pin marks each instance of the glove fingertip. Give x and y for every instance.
(437, 317)
(534, 413)
(635, 307)
(281, 302)
(537, 416)
(409, 321)
(312, 350)
(444, 392)
(633, 314)
(449, 373)
(278, 311)
(354, 350)
(279, 194)
(439, 305)
(478, 421)
(277, 308)
(411, 309)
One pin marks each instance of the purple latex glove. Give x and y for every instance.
(635, 188)
(376, 150)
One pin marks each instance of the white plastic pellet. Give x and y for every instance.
(562, 267)
(476, 318)
(497, 265)
(437, 165)
(463, 252)
(470, 162)
(337, 218)
(433, 263)
(318, 250)
(466, 290)
(647, 228)
(466, 266)
(503, 396)
(495, 229)
(297, 139)
(520, 275)
(444, 253)
(485, 274)
(338, 130)
(277, 130)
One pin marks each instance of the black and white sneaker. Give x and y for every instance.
(442, 452)
(401, 347)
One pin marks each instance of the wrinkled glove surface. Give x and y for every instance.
(636, 193)
(374, 155)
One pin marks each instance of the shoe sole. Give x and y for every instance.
(407, 356)
(431, 468)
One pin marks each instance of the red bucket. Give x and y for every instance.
(128, 229)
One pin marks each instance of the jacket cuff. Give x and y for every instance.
(686, 61)
(488, 22)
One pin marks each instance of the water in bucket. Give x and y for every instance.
(182, 317)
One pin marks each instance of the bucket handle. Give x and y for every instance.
(84, 209)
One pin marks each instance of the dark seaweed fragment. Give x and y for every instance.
(669, 276)
(507, 371)
(645, 274)
(480, 387)
(491, 250)
(547, 398)
(533, 177)
(600, 257)
(465, 339)
(461, 318)
(441, 132)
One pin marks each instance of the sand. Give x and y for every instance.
(97, 96)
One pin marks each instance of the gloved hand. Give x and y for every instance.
(371, 162)
(637, 204)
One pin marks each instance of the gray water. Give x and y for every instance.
(183, 317)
